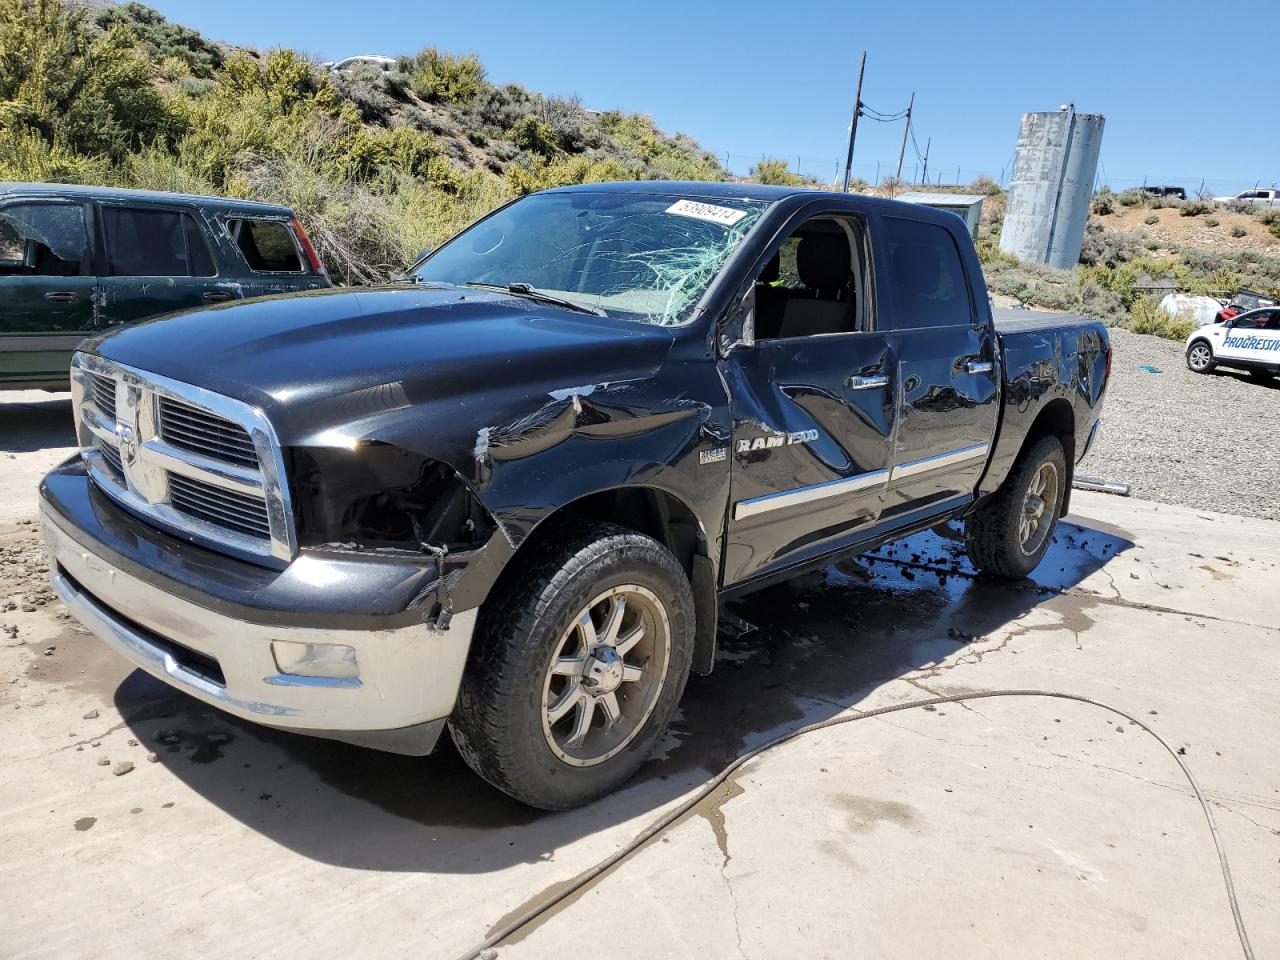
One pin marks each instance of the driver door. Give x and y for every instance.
(812, 403)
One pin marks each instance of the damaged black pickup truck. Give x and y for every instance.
(507, 494)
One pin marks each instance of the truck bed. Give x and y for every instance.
(1010, 320)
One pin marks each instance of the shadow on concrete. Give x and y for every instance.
(35, 424)
(822, 643)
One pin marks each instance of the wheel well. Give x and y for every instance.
(647, 510)
(1057, 419)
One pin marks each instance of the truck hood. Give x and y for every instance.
(351, 361)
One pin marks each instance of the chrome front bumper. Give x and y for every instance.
(407, 677)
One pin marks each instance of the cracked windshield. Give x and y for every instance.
(642, 257)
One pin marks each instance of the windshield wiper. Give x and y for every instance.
(525, 290)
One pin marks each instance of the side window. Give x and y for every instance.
(42, 239)
(144, 243)
(199, 257)
(267, 245)
(924, 270)
(817, 283)
(1252, 321)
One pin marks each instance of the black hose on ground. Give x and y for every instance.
(678, 812)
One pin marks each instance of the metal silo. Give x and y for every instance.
(1051, 186)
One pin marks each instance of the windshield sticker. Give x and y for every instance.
(725, 216)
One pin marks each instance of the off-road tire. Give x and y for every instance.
(991, 532)
(1198, 345)
(497, 722)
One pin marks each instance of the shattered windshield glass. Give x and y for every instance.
(637, 256)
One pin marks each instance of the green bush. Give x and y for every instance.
(1194, 208)
(83, 95)
(161, 39)
(533, 135)
(1210, 221)
(776, 172)
(1151, 220)
(1132, 198)
(1146, 317)
(1267, 215)
(1239, 231)
(1104, 202)
(439, 77)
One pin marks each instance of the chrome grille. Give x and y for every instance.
(112, 457)
(184, 458)
(223, 507)
(104, 394)
(202, 432)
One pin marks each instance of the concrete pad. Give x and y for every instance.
(1006, 827)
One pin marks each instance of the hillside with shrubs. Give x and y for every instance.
(1125, 269)
(377, 164)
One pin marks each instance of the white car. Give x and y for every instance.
(1250, 341)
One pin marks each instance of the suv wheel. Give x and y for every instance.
(1199, 357)
(575, 673)
(1010, 533)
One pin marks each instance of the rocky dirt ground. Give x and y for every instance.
(1203, 440)
(1171, 227)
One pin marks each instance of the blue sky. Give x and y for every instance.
(749, 79)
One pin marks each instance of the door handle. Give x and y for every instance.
(979, 366)
(215, 296)
(61, 296)
(857, 382)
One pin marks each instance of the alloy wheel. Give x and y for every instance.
(606, 674)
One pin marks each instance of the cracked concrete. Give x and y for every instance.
(999, 828)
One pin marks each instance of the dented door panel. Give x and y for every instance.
(811, 446)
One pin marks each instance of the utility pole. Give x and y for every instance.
(925, 178)
(853, 126)
(903, 152)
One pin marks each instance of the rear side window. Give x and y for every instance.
(42, 239)
(267, 245)
(925, 273)
(154, 243)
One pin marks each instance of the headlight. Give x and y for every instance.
(378, 495)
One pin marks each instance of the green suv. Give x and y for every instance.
(76, 260)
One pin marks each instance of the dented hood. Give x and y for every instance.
(348, 359)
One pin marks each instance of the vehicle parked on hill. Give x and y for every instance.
(75, 261)
(508, 494)
(1253, 198)
(1177, 193)
(1249, 342)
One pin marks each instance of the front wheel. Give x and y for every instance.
(1199, 357)
(1010, 533)
(575, 673)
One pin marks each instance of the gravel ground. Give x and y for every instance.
(1206, 441)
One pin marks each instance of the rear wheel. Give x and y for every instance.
(1199, 357)
(1010, 533)
(574, 675)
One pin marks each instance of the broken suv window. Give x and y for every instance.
(643, 257)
